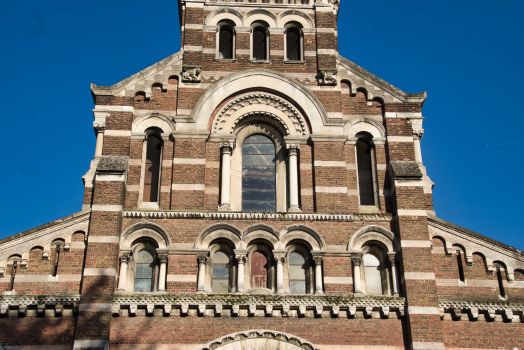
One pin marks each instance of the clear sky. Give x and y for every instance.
(468, 55)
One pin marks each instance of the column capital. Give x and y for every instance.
(392, 258)
(318, 260)
(226, 147)
(202, 258)
(163, 258)
(292, 149)
(418, 133)
(241, 258)
(125, 257)
(99, 127)
(356, 259)
(280, 258)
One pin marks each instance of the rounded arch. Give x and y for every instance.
(260, 231)
(157, 120)
(295, 15)
(260, 15)
(216, 231)
(373, 233)
(145, 229)
(364, 124)
(253, 79)
(224, 13)
(268, 340)
(302, 232)
(351, 83)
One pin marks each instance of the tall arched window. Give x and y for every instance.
(260, 43)
(144, 271)
(365, 166)
(152, 168)
(373, 275)
(297, 273)
(259, 270)
(221, 267)
(293, 44)
(258, 174)
(226, 42)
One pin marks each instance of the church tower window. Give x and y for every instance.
(152, 168)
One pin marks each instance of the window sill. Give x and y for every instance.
(232, 60)
(368, 209)
(260, 61)
(149, 205)
(294, 62)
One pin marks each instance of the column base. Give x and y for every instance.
(224, 207)
(294, 209)
(319, 293)
(280, 292)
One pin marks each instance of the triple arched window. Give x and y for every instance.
(226, 41)
(260, 41)
(294, 45)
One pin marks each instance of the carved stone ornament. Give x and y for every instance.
(226, 147)
(251, 99)
(292, 149)
(280, 258)
(99, 127)
(191, 74)
(241, 258)
(112, 164)
(263, 334)
(335, 4)
(356, 260)
(202, 258)
(327, 77)
(417, 134)
(125, 257)
(163, 258)
(318, 260)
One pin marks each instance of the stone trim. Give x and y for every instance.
(99, 272)
(253, 334)
(188, 187)
(415, 244)
(100, 307)
(329, 163)
(419, 275)
(328, 189)
(400, 138)
(256, 305)
(101, 207)
(412, 212)
(182, 278)
(103, 239)
(198, 161)
(423, 310)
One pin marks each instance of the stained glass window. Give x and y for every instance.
(258, 174)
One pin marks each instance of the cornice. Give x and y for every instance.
(383, 217)
(507, 309)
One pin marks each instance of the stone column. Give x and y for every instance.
(124, 260)
(417, 136)
(292, 151)
(226, 148)
(280, 258)
(202, 261)
(162, 274)
(356, 261)
(392, 262)
(99, 129)
(318, 275)
(241, 258)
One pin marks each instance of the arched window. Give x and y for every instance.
(297, 273)
(152, 168)
(58, 247)
(294, 44)
(260, 43)
(500, 272)
(226, 41)
(144, 271)
(366, 170)
(259, 270)
(258, 174)
(221, 268)
(373, 274)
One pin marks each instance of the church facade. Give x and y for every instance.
(257, 190)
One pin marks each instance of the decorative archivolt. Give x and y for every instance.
(145, 230)
(224, 13)
(367, 124)
(373, 233)
(159, 120)
(261, 340)
(263, 105)
(295, 15)
(260, 14)
(279, 239)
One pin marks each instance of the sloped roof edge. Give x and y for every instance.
(47, 225)
(113, 89)
(434, 220)
(381, 83)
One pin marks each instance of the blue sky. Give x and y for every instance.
(468, 56)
